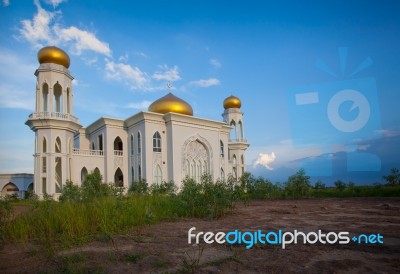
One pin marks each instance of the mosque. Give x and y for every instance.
(165, 143)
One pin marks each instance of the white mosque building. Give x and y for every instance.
(165, 143)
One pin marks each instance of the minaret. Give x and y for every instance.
(53, 122)
(237, 145)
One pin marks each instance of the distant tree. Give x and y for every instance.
(351, 184)
(298, 185)
(340, 185)
(393, 178)
(319, 185)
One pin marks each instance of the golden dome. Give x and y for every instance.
(232, 102)
(53, 55)
(171, 103)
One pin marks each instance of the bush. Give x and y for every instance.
(139, 187)
(298, 185)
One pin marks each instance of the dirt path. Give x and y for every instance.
(163, 248)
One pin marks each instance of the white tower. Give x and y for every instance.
(53, 122)
(237, 145)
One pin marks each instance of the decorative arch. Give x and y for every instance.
(84, 174)
(118, 178)
(97, 170)
(9, 189)
(196, 151)
(157, 174)
(57, 90)
(45, 96)
(58, 145)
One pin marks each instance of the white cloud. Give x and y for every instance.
(132, 76)
(43, 30)
(54, 3)
(142, 54)
(6, 3)
(205, 83)
(82, 40)
(140, 105)
(265, 159)
(38, 30)
(215, 63)
(167, 74)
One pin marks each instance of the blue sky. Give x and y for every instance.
(123, 53)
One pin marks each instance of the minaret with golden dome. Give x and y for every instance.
(237, 145)
(53, 122)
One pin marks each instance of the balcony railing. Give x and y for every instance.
(238, 140)
(53, 115)
(118, 153)
(88, 152)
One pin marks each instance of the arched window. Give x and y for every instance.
(242, 160)
(118, 147)
(132, 144)
(97, 170)
(58, 145)
(44, 145)
(234, 161)
(68, 101)
(221, 146)
(139, 143)
(233, 130)
(119, 178)
(93, 146)
(222, 174)
(45, 96)
(157, 174)
(156, 142)
(57, 97)
(133, 174)
(84, 174)
(140, 172)
(240, 130)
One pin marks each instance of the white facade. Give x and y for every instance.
(148, 145)
(15, 184)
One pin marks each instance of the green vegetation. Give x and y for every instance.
(98, 211)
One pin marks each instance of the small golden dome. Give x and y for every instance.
(53, 55)
(232, 102)
(171, 103)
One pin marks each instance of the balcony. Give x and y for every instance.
(88, 152)
(53, 115)
(238, 140)
(118, 153)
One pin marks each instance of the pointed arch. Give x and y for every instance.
(233, 130)
(132, 174)
(44, 145)
(139, 143)
(132, 144)
(221, 148)
(45, 97)
(139, 172)
(84, 174)
(240, 130)
(119, 178)
(118, 146)
(9, 189)
(58, 145)
(157, 142)
(68, 101)
(57, 90)
(97, 170)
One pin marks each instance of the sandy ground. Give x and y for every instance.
(164, 248)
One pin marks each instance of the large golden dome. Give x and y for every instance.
(171, 103)
(232, 102)
(53, 55)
